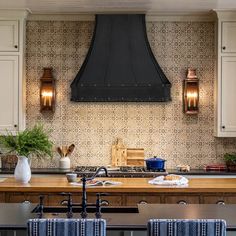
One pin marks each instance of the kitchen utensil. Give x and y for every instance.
(155, 163)
(64, 150)
(59, 151)
(70, 149)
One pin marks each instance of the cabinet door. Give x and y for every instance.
(216, 199)
(179, 199)
(228, 94)
(111, 200)
(55, 199)
(2, 197)
(9, 36)
(8, 93)
(228, 37)
(25, 198)
(230, 199)
(142, 199)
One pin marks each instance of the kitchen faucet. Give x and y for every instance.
(98, 171)
(84, 203)
(84, 194)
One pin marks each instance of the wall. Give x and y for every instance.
(161, 129)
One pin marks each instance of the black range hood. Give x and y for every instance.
(120, 66)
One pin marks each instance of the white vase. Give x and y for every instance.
(64, 163)
(22, 171)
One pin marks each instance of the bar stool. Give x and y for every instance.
(199, 227)
(66, 227)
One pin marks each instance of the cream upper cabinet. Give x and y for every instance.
(225, 85)
(12, 78)
(9, 93)
(9, 36)
(228, 95)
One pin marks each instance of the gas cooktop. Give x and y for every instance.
(122, 171)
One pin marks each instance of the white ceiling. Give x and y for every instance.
(96, 6)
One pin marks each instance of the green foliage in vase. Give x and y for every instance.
(230, 157)
(34, 141)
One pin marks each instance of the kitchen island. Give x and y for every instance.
(130, 192)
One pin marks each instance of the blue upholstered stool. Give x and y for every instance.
(66, 227)
(200, 227)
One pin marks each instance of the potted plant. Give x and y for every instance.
(24, 144)
(230, 160)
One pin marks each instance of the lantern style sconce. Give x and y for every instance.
(191, 93)
(47, 91)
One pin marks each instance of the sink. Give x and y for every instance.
(89, 210)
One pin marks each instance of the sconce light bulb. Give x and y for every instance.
(47, 98)
(46, 94)
(192, 96)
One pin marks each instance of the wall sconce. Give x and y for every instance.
(191, 93)
(47, 91)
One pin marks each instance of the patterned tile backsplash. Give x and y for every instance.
(161, 129)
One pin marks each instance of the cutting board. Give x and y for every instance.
(123, 156)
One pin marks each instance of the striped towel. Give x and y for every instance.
(66, 227)
(200, 227)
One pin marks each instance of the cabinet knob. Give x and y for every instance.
(223, 127)
(26, 202)
(142, 202)
(105, 203)
(15, 46)
(15, 126)
(182, 202)
(223, 47)
(220, 202)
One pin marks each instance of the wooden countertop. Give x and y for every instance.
(60, 184)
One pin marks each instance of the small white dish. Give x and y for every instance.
(71, 177)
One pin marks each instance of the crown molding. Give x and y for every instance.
(180, 16)
(226, 15)
(61, 17)
(150, 17)
(14, 14)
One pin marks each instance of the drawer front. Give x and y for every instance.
(142, 199)
(2, 197)
(181, 199)
(218, 199)
(56, 199)
(230, 199)
(111, 200)
(24, 197)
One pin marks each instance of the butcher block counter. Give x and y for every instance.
(134, 185)
(130, 192)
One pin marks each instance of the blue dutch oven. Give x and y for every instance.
(155, 163)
